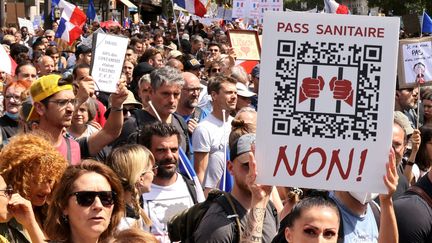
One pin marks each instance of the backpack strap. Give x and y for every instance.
(190, 184)
(228, 206)
(419, 191)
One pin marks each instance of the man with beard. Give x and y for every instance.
(54, 103)
(170, 192)
(217, 225)
(188, 103)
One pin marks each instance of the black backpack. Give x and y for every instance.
(182, 226)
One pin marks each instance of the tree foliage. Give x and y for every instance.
(401, 7)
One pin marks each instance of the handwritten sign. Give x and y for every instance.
(415, 62)
(107, 60)
(26, 23)
(327, 105)
(245, 43)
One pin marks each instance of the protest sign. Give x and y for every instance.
(269, 5)
(326, 110)
(107, 60)
(415, 62)
(26, 23)
(245, 44)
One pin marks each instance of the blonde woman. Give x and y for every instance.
(134, 164)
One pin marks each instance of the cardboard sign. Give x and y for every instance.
(26, 23)
(326, 110)
(107, 60)
(245, 43)
(415, 62)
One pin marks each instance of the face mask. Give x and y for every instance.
(364, 197)
(12, 116)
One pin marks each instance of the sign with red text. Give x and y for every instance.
(415, 62)
(326, 100)
(108, 55)
(245, 43)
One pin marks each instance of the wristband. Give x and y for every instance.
(116, 108)
(409, 163)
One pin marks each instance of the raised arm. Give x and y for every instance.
(415, 142)
(388, 225)
(260, 198)
(114, 123)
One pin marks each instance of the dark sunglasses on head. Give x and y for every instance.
(87, 198)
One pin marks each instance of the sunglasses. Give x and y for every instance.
(87, 198)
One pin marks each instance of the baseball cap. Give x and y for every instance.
(192, 64)
(43, 88)
(244, 91)
(242, 145)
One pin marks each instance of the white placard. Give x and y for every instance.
(107, 60)
(326, 109)
(416, 62)
(26, 23)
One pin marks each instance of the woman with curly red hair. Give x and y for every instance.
(32, 166)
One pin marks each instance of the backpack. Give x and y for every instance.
(182, 226)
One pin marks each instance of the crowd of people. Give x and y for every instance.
(81, 165)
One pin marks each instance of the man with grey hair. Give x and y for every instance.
(164, 94)
(45, 65)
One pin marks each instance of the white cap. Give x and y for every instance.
(244, 91)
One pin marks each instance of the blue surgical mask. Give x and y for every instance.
(12, 116)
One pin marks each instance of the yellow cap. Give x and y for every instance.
(43, 88)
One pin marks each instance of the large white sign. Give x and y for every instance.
(326, 100)
(107, 60)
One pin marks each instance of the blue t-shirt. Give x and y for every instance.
(357, 228)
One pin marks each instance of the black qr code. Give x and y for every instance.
(327, 90)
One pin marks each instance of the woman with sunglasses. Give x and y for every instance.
(32, 166)
(15, 208)
(134, 164)
(87, 205)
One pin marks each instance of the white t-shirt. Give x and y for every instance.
(211, 136)
(163, 202)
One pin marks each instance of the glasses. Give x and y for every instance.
(215, 70)
(8, 191)
(64, 102)
(154, 167)
(87, 198)
(192, 90)
(15, 97)
(213, 50)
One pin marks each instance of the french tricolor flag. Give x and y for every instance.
(192, 6)
(331, 6)
(71, 22)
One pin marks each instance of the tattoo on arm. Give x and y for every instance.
(254, 226)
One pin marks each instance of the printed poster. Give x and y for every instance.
(328, 99)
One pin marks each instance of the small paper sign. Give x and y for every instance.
(107, 61)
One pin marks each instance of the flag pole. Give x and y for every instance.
(176, 26)
(421, 25)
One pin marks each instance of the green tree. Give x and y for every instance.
(399, 8)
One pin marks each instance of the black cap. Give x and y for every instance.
(192, 64)
(141, 69)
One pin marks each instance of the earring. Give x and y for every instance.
(65, 219)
